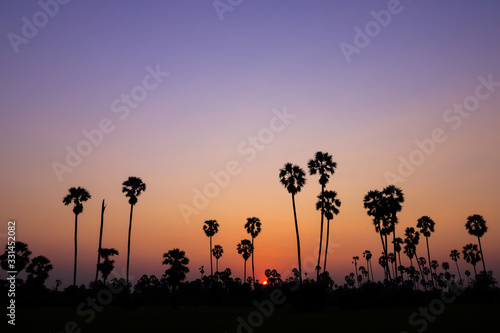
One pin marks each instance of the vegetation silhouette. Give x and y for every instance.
(103, 206)
(472, 255)
(328, 204)
(324, 166)
(177, 272)
(217, 253)
(77, 196)
(107, 266)
(426, 225)
(21, 257)
(455, 255)
(253, 227)
(245, 248)
(211, 227)
(38, 270)
(132, 187)
(292, 177)
(476, 226)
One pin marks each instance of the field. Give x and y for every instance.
(148, 319)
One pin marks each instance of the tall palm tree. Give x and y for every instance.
(292, 177)
(476, 226)
(77, 196)
(217, 253)
(467, 273)
(426, 225)
(103, 206)
(328, 204)
(253, 227)
(245, 248)
(472, 255)
(355, 262)
(368, 255)
(397, 247)
(324, 166)
(132, 187)
(392, 198)
(412, 239)
(455, 255)
(374, 204)
(211, 227)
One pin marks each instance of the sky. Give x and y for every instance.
(206, 100)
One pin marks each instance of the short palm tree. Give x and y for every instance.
(455, 255)
(211, 227)
(245, 248)
(292, 177)
(426, 225)
(177, 272)
(217, 253)
(107, 265)
(21, 257)
(476, 226)
(328, 204)
(77, 196)
(324, 166)
(253, 227)
(467, 273)
(132, 187)
(368, 255)
(38, 270)
(472, 255)
(355, 262)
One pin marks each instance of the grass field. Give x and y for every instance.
(454, 318)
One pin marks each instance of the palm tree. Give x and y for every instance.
(245, 248)
(38, 270)
(476, 226)
(77, 196)
(467, 273)
(177, 272)
(328, 204)
(217, 253)
(472, 255)
(292, 177)
(412, 239)
(392, 198)
(426, 225)
(455, 255)
(355, 262)
(211, 227)
(368, 255)
(253, 227)
(132, 187)
(107, 266)
(373, 202)
(324, 166)
(103, 206)
(398, 241)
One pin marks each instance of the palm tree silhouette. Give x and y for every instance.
(324, 166)
(328, 204)
(455, 255)
(103, 206)
(217, 253)
(211, 227)
(426, 225)
(178, 269)
(368, 255)
(467, 273)
(292, 177)
(245, 248)
(107, 266)
(393, 198)
(38, 270)
(77, 196)
(132, 187)
(398, 241)
(412, 239)
(476, 226)
(355, 262)
(472, 255)
(253, 227)
(21, 257)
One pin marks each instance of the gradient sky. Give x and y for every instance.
(227, 79)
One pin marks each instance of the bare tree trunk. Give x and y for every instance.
(100, 243)
(326, 244)
(482, 254)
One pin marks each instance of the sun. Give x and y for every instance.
(265, 282)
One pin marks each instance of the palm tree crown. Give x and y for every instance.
(292, 177)
(323, 165)
(426, 225)
(77, 195)
(133, 187)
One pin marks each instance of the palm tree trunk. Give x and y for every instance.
(100, 244)
(326, 244)
(429, 258)
(356, 269)
(245, 272)
(253, 268)
(371, 269)
(128, 246)
(475, 272)
(459, 276)
(395, 258)
(482, 254)
(321, 230)
(298, 240)
(368, 268)
(211, 265)
(76, 247)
